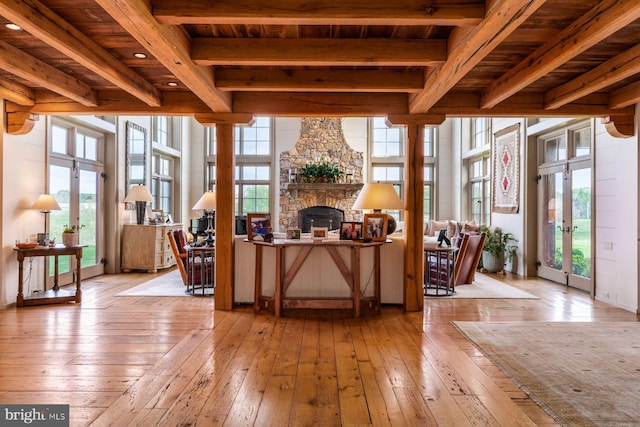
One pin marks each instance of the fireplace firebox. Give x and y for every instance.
(319, 216)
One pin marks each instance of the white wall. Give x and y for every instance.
(616, 219)
(23, 180)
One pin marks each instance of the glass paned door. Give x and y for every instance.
(77, 188)
(565, 211)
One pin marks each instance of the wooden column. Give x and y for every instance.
(225, 206)
(414, 206)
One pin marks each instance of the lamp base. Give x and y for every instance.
(141, 208)
(391, 224)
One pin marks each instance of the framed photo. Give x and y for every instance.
(158, 216)
(258, 224)
(293, 234)
(350, 230)
(319, 233)
(375, 226)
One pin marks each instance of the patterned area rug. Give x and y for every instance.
(487, 287)
(167, 285)
(582, 374)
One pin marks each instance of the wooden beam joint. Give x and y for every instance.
(620, 126)
(19, 119)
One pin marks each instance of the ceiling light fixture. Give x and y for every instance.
(13, 26)
(140, 55)
(172, 84)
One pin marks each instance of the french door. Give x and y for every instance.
(565, 200)
(77, 184)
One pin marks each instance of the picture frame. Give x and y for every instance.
(293, 234)
(158, 216)
(319, 233)
(375, 227)
(350, 230)
(258, 224)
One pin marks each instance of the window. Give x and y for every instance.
(162, 167)
(160, 127)
(253, 151)
(480, 131)
(480, 180)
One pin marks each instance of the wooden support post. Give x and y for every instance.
(414, 205)
(225, 203)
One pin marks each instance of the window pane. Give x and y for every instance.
(387, 173)
(582, 142)
(255, 198)
(427, 202)
(428, 173)
(59, 139)
(211, 148)
(90, 148)
(555, 149)
(387, 142)
(79, 146)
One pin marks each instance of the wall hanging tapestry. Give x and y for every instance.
(506, 170)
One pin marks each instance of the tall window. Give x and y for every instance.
(162, 181)
(387, 157)
(253, 151)
(477, 161)
(165, 158)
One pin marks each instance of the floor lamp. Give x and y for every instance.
(378, 196)
(207, 203)
(141, 195)
(45, 204)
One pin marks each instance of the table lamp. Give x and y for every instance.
(378, 196)
(45, 203)
(207, 203)
(141, 195)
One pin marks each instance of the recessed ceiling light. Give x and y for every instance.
(140, 55)
(13, 26)
(172, 84)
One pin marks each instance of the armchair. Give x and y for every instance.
(196, 265)
(439, 264)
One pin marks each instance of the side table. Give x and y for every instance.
(200, 270)
(439, 275)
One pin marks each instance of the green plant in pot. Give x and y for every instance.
(320, 171)
(497, 245)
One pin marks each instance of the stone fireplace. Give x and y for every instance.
(320, 138)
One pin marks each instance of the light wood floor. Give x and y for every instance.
(169, 361)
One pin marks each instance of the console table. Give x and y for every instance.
(284, 276)
(54, 295)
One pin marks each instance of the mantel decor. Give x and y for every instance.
(506, 170)
(320, 171)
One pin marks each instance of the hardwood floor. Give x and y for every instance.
(169, 361)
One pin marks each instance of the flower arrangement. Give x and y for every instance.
(320, 171)
(71, 229)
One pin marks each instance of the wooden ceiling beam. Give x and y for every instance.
(43, 23)
(318, 52)
(15, 92)
(612, 71)
(321, 80)
(42, 74)
(625, 96)
(322, 12)
(469, 46)
(527, 105)
(604, 19)
(171, 47)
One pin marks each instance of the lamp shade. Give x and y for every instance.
(378, 196)
(207, 202)
(139, 193)
(46, 203)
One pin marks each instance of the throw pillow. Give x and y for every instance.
(436, 226)
(469, 226)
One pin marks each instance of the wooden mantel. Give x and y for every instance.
(293, 187)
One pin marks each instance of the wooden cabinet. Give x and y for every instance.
(146, 247)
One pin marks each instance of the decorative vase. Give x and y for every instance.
(70, 239)
(492, 263)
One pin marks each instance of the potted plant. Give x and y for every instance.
(320, 171)
(496, 245)
(69, 236)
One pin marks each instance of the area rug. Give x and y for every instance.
(488, 287)
(582, 374)
(167, 285)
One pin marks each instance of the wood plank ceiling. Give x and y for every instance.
(321, 57)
